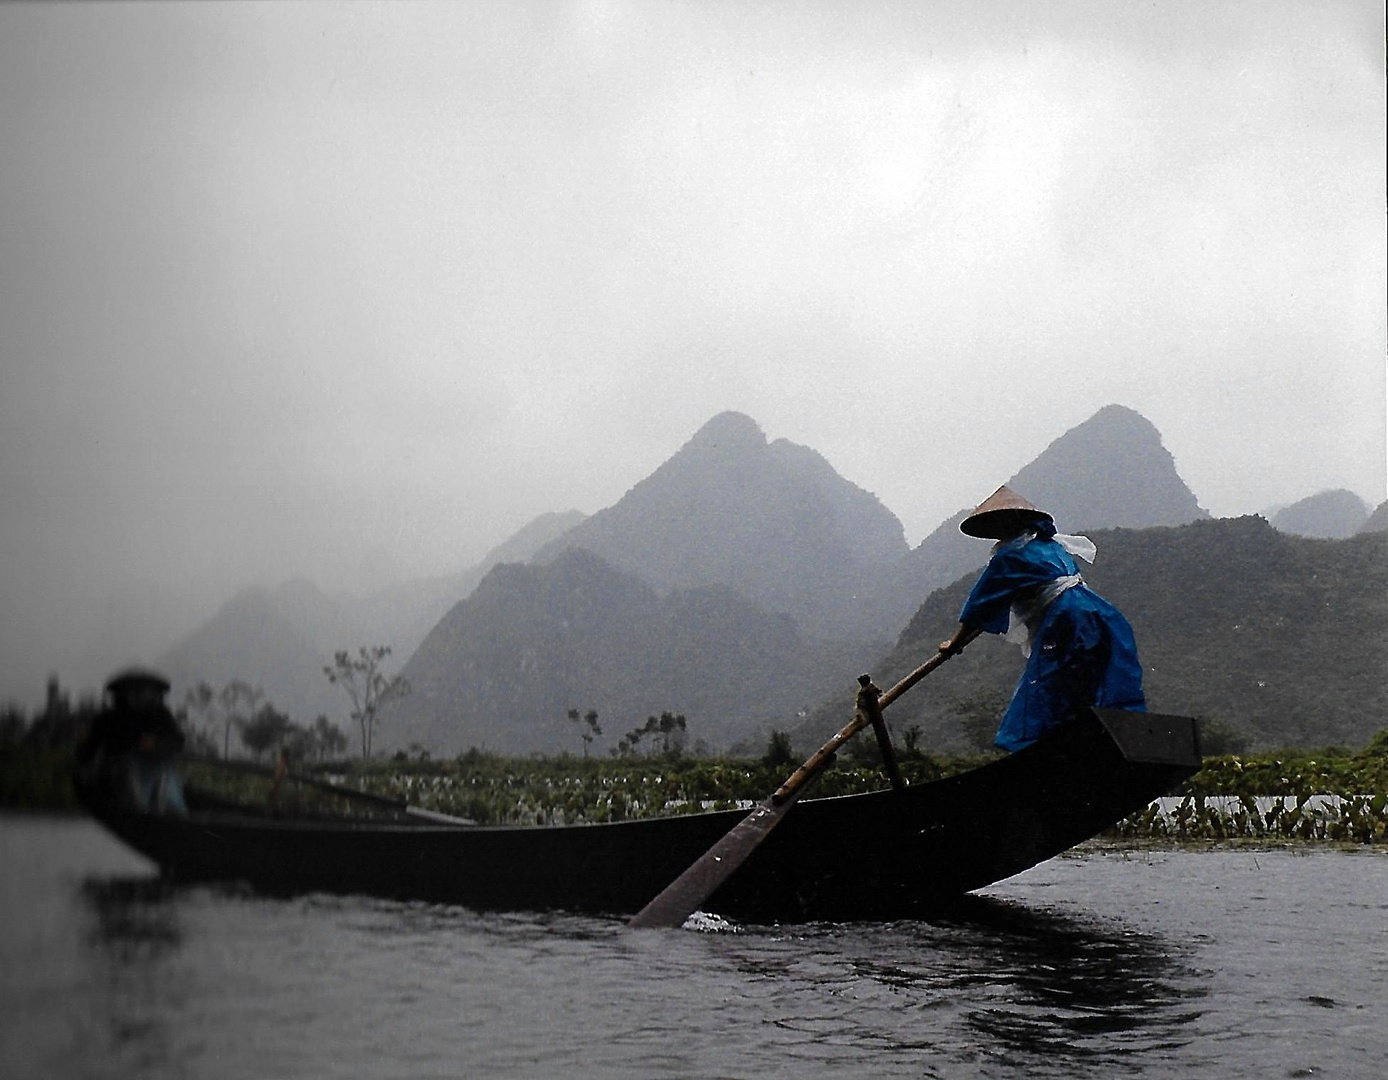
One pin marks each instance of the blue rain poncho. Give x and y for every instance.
(1080, 649)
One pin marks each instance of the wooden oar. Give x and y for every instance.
(683, 896)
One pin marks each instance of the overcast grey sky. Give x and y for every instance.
(285, 285)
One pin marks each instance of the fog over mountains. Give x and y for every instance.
(772, 521)
(751, 527)
(743, 584)
(279, 639)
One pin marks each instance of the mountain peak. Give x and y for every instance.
(728, 431)
(772, 521)
(1329, 515)
(1109, 471)
(1114, 414)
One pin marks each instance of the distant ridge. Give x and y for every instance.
(1278, 637)
(772, 521)
(1111, 471)
(1329, 515)
(503, 668)
(272, 639)
(403, 615)
(279, 639)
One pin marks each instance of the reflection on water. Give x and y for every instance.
(136, 918)
(1054, 988)
(989, 981)
(996, 981)
(1171, 965)
(134, 938)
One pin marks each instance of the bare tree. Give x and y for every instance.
(367, 686)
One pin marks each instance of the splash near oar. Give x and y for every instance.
(682, 897)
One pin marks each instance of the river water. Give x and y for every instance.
(1175, 963)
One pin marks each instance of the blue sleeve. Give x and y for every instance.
(1012, 568)
(990, 603)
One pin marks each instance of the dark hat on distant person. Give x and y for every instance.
(1004, 513)
(134, 677)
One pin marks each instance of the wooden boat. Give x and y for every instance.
(885, 855)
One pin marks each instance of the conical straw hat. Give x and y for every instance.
(1001, 514)
(137, 676)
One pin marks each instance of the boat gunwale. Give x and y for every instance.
(249, 815)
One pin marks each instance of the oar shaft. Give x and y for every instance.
(922, 671)
(861, 719)
(820, 757)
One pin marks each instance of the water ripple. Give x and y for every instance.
(1168, 964)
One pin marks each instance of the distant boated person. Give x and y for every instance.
(132, 743)
(1080, 649)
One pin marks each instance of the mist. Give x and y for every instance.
(355, 291)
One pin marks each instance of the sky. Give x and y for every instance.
(355, 291)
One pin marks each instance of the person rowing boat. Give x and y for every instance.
(1080, 649)
(130, 748)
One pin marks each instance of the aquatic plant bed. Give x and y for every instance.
(1331, 794)
(560, 791)
(1299, 772)
(1326, 795)
(523, 796)
(1358, 819)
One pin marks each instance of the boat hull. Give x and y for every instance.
(885, 855)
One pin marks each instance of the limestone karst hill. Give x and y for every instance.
(1328, 515)
(279, 639)
(1111, 471)
(766, 535)
(503, 668)
(771, 520)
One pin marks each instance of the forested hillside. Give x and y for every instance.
(1112, 471)
(504, 667)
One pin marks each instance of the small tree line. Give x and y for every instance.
(210, 714)
(239, 706)
(663, 734)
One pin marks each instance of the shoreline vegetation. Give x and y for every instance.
(1332, 795)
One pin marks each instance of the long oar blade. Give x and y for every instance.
(687, 893)
(684, 896)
